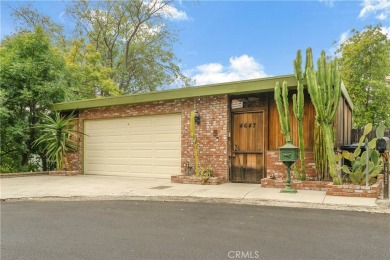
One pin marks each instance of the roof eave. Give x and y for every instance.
(238, 87)
(346, 95)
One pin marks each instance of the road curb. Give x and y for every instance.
(254, 202)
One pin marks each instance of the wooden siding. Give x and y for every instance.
(343, 124)
(275, 138)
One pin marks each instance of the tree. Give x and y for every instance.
(30, 81)
(365, 63)
(133, 40)
(86, 77)
(28, 18)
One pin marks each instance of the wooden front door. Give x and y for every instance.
(248, 147)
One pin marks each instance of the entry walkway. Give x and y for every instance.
(113, 187)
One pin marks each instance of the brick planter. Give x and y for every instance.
(22, 174)
(59, 173)
(350, 190)
(64, 173)
(192, 179)
(353, 190)
(295, 184)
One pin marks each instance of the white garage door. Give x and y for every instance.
(145, 146)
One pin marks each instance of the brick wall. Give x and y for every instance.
(351, 190)
(214, 115)
(295, 184)
(278, 169)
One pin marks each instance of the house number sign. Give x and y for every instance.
(247, 125)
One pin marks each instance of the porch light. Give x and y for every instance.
(196, 116)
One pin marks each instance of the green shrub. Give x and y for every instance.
(204, 173)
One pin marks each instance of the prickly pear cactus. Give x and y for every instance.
(357, 172)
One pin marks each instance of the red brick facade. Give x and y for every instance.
(214, 115)
(278, 169)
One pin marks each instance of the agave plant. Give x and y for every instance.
(57, 138)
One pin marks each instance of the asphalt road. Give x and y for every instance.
(178, 230)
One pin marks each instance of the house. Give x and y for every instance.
(148, 134)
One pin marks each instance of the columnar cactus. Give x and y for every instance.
(298, 108)
(320, 157)
(195, 139)
(281, 99)
(325, 90)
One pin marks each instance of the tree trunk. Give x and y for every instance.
(25, 158)
(44, 163)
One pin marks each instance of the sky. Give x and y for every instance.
(221, 41)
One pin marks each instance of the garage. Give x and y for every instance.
(139, 146)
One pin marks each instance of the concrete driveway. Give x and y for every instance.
(116, 187)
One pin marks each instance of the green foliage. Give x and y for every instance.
(30, 82)
(27, 17)
(133, 40)
(281, 99)
(365, 64)
(86, 77)
(324, 87)
(204, 173)
(58, 138)
(357, 172)
(380, 131)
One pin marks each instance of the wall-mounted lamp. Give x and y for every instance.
(196, 116)
(215, 134)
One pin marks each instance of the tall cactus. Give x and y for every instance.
(298, 108)
(320, 157)
(325, 91)
(195, 139)
(281, 99)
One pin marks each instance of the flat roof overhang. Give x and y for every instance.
(236, 87)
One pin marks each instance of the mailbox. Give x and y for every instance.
(383, 147)
(383, 144)
(288, 153)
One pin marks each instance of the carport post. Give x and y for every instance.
(386, 179)
(367, 162)
(382, 145)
